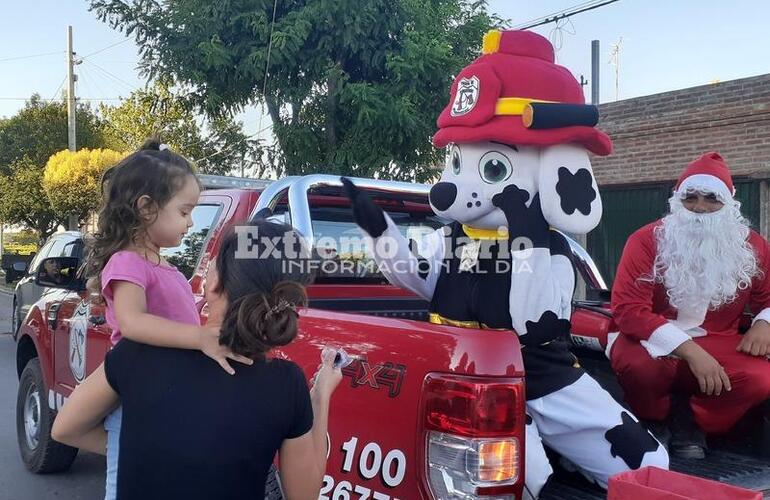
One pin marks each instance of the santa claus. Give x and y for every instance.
(682, 286)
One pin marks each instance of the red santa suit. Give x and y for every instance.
(651, 328)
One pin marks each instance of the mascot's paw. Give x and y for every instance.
(366, 213)
(511, 200)
(523, 221)
(547, 329)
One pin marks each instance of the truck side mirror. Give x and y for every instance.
(59, 272)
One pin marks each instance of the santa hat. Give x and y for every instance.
(514, 93)
(707, 174)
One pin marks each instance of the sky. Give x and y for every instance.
(666, 45)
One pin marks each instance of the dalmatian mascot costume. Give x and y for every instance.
(518, 134)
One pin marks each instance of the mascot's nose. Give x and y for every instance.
(442, 195)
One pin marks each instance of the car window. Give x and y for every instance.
(57, 249)
(41, 254)
(340, 244)
(185, 256)
(73, 248)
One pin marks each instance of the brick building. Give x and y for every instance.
(656, 136)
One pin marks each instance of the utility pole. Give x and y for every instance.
(72, 220)
(595, 72)
(70, 92)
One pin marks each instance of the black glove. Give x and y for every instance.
(366, 213)
(523, 221)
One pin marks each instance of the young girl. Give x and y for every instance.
(150, 196)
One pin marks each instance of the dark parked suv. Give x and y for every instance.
(66, 244)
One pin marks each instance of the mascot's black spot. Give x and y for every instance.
(475, 195)
(630, 441)
(442, 195)
(549, 327)
(423, 266)
(529, 419)
(576, 191)
(469, 204)
(478, 203)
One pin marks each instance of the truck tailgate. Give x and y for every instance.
(376, 425)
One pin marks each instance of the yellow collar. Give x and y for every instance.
(485, 234)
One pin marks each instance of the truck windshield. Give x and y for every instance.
(342, 251)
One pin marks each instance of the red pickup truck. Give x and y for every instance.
(422, 407)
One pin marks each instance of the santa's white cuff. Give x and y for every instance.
(764, 315)
(664, 340)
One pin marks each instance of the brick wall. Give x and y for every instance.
(656, 136)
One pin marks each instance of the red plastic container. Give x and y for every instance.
(652, 483)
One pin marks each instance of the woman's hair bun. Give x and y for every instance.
(255, 323)
(151, 144)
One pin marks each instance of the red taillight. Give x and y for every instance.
(473, 406)
(475, 436)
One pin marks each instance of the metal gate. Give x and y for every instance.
(628, 208)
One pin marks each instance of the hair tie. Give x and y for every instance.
(280, 307)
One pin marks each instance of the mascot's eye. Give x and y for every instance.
(455, 159)
(495, 167)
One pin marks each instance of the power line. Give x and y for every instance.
(564, 14)
(108, 47)
(558, 12)
(53, 98)
(116, 78)
(267, 62)
(32, 55)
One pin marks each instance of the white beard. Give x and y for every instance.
(703, 260)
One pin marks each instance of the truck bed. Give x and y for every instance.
(736, 458)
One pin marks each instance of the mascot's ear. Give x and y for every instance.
(568, 192)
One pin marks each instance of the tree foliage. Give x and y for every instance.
(157, 112)
(27, 140)
(23, 200)
(353, 86)
(39, 130)
(72, 180)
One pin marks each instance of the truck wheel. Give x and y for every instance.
(273, 485)
(40, 453)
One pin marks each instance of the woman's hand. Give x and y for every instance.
(327, 377)
(208, 337)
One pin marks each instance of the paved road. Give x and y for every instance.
(84, 481)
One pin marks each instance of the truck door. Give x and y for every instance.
(80, 334)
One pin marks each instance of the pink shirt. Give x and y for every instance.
(167, 291)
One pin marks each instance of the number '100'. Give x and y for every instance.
(371, 462)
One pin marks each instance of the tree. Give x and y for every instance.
(23, 200)
(71, 180)
(39, 130)
(353, 86)
(158, 112)
(27, 140)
